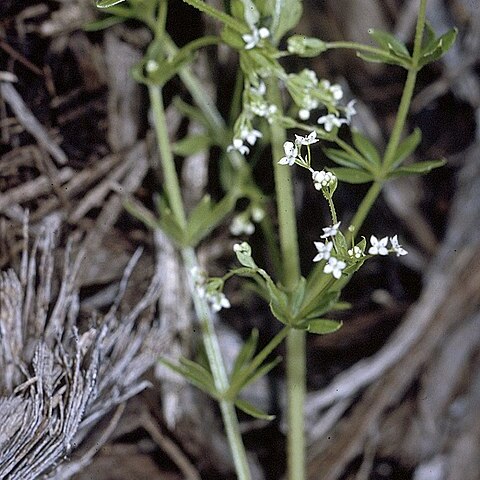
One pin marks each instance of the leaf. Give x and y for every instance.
(103, 24)
(323, 326)
(306, 46)
(383, 58)
(297, 296)
(192, 144)
(108, 3)
(351, 175)
(418, 168)
(319, 306)
(249, 409)
(195, 374)
(429, 39)
(406, 147)
(246, 353)
(341, 158)
(261, 372)
(390, 43)
(206, 216)
(366, 148)
(442, 45)
(285, 15)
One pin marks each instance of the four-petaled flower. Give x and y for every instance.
(336, 91)
(330, 231)
(379, 247)
(237, 144)
(291, 153)
(307, 139)
(324, 250)
(396, 247)
(323, 179)
(250, 135)
(355, 252)
(251, 39)
(329, 121)
(335, 267)
(241, 224)
(218, 300)
(350, 110)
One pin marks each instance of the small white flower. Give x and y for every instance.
(307, 139)
(243, 247)
(258, 214)
(241, 225)
(264, 32)
(323, 179)
(291, 153)
(336, 91)
(237, 144)
(329, 121)
(260, 90)
(335, 267)
(152, 66)
(330, 231)
(303, 114)
(199, 277)
(350, 110)
(218, 300)
(324, 250)
(355, 252)
(250, 135)
(379, 247)
(396, 247)
(251, 39)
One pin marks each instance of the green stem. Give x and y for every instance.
(202, 308)
(172, 186)
(363, 209)
(407, 94)
(227, 20)
(296, 351)
(356, 46)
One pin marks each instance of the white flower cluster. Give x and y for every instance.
(335, 266)
(255, 36)
(215, 297)
(323, 179)
(242, 223)
(255, 104)
(379, 247)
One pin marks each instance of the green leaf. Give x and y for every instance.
(351, 175)
(246, 353)
(249, 409)
(244, 256)
(406, 147)
(442, 45)
(342, 158)
(383, 58)
(261, 372)
(390, 43)
(206, 216)
(366, 148)
(192, 144)
(418, 168)
(103, 24)
(297, 296)
(195, 374)
(322, 326)
(168, 222)
(319, 306)
(306, 46)
(429, 39)
(108, 3)
(285, 15)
